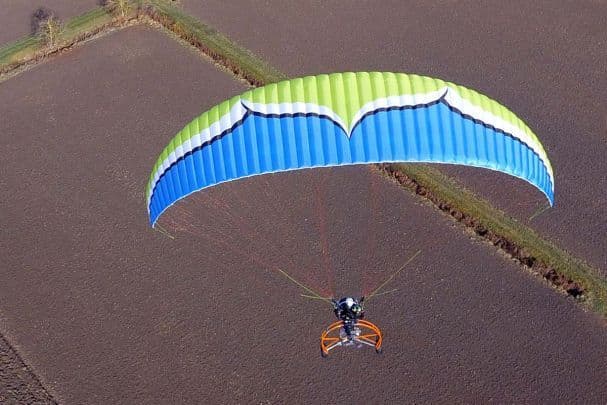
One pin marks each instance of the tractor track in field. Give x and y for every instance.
(19, 384)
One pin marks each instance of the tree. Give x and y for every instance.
(119, 8)
(46, 25)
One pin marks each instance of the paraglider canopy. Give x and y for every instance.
(345, 119)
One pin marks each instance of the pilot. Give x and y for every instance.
(349, 309)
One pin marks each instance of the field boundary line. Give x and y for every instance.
(12, 357)
(23, 54)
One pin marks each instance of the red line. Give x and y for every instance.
(321, 213)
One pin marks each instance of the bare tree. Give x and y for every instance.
(120, 8)
(46, 25)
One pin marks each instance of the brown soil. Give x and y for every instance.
(175, 27)
(18, 384)
(544, 60)
(150, 15)
(558, 280)
(109, 311)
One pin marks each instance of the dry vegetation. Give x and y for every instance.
(120, 8)
(47, 26)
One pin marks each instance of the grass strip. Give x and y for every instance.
(17, 51)
(561, 269)
(224, 51)
(33, 47)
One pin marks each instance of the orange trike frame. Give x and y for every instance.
(369, 335)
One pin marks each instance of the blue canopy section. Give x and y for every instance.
(260, 144)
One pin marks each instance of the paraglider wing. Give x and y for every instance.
(344, 119)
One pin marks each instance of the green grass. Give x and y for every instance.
(32, 46)
(86, 22)
(234, 57)
(18, 50)
(534, 246)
